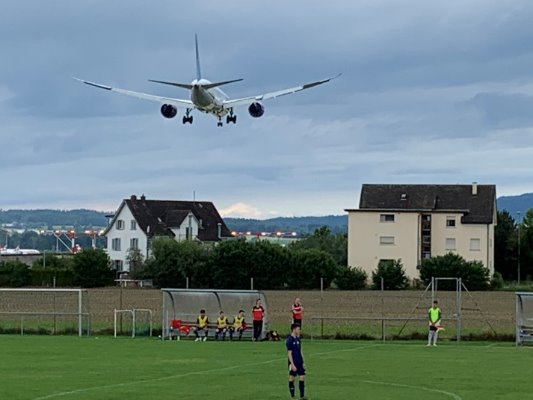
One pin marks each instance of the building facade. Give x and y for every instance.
(138, 220)
(414, 222)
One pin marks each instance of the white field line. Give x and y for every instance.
(165, 378)
(426, 389)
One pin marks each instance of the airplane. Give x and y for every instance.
(207, 97)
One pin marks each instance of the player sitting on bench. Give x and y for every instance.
(222, 326)
(239, 325)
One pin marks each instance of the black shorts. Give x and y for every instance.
(432, 328)
(297, 321)
(300, 370)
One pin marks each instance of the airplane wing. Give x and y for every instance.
(145, 96)
(252, 99)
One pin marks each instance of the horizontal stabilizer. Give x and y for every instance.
(181, 85)
(216, 84)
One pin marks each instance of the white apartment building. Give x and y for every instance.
(138, 220)
(413, 222)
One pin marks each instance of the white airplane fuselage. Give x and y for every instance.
(209, 101)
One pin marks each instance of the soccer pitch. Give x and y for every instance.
(44, 367)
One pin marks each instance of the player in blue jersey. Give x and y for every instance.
(296, 361)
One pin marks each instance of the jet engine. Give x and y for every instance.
(256, 110)
(168, 111)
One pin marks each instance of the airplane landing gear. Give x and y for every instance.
(219, 123)
(187, 118)
(231, 117)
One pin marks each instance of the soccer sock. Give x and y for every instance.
(301, 385)
(291, 388)
(206, 332)
(196, 333)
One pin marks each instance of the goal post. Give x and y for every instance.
(47, 311)
(524, 318)
(185, 305)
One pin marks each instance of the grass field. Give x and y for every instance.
(44, 367)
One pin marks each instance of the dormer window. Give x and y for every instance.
(403, 197)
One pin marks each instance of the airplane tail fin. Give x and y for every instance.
(198, 70)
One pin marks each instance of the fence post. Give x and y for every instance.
(251, 283)
(382, 309)
(321, 308)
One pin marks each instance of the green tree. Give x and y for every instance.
(350, 278)
(269, 263)
(92, 268)
(505, 245)
(526, 246)
(173, 262)
(322, 239)
(472, 273)
(393, 275)
(135, 260)
(307, 267)
(14, 274)
(233, 264)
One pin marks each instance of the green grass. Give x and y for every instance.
(47, 367)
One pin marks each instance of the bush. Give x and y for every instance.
(92, 268)
(307, 267)
(393, 275)
(472, 273)
(350, 278)
(14, 274)
(497, 281)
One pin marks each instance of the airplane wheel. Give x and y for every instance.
(184, 120)
(234, 119)
(219, 124)
(190, 119)
(228, 119)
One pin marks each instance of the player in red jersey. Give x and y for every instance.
(297, 311)
(258, 313)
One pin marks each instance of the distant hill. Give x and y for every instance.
(512, 204)
(42, 219)
(83, 218)
(301, 225)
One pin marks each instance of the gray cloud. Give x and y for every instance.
(431, 92)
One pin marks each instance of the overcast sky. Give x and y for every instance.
(431, 92)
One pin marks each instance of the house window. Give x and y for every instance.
(188, 233)
(450, 222)
(386, 218)
(120, 224)
(133, 225)
(475, 244)
(115, 244)
(386, 240)
(134, 244)
(450, 244)
(118, 264)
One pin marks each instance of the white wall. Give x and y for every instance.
(365, 250)
(181, 232)
(125, 235)
(365, 229)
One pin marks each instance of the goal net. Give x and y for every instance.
(44, 311)
(185, 304)
(524, 318)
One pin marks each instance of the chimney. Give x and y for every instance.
(219, 226)
(143, 198)
(133, 198)
(474, 188)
